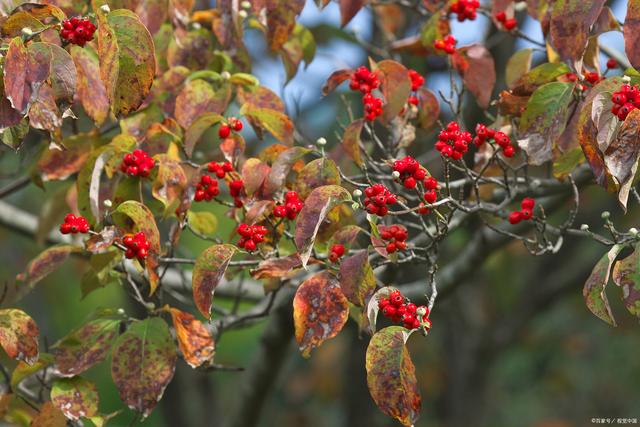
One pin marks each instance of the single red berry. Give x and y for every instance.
(224, 131)
(528, 203)
(612, 63)
(515, 217)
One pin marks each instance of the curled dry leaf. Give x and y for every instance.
(195, 342)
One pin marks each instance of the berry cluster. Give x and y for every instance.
(336, 252)
(525, 213)
(235, 190)
(250, 236)
(365, 81)
(509, 24)
(484, 133)
(399, 310)
(625, 100)
(396, 238)
(452, 142)
(465, 9)
(137, 163)
(74, 224)
(372, 107)
(431, 190)
(448, 44)
(206, 189)
(137, 245)
(292, 205)
(378, 198)
(77, 31)
(225, 129)
(410, 171)
(592, 77)
(417, 80)
(220, 169)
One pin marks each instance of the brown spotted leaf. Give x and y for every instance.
(198, 97)
(356, 278)
(571, 21)
(477, 68)
(127, 59)
(195, 342)
(19, 335)
(278, 268)
(76, 397)
(351, 141)
(91, 90)
(254, 174)
(275, 122)
(626, 274)
(391, 375)
(170, 181)
(46, 263)
(594, 288)
(315, 174)
(49, 416)
(314, 212)
(622, 155)
(282, 166)
(58, 164)
(143, 363)
(320, 310)
(208, 270)
(22, 76)
(87, 345)
(335, 79)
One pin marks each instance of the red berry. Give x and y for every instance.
(612, 63)
(515, 217)
(526, 214)
(528, 203)
(510, 24)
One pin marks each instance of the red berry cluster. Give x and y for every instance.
(77, 31)
(417, 80)
(292, 205)
(137, 163)
(612, 63)
(336, 252)
(225, 129)
(448, 44)
(206, 189)
(399, 310)
(431, 190)
(372, 107)
(525, 213)
(410, 171)
(250, 236)
(378, 198)
(365, 81)
(625, 100)
(220, 169)
(396, 238)
(235, 190)
(509, 24)
(137, 245)
(465, 9)
(592, 77)
(484, 133)
(74, 224)
(452, 142)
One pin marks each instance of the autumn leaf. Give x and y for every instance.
(395, 86)
(208, 270)
(477, 68)
(351, 141)
(275, 122)
(24, 370)
(91, 90)
(428, 108)
(356, 278)
(198, 97)
(622, 155)
(320, 310)
(314, 212)
(197, 128)
(570, 23)
(391, 375)
(143, 363)
(626, 274)
(76, 397)
(19, 335)
(170, 181)
(49, 416)
(373, 306)
(518, 65)
(335, 79)
(349, 9)
(594, 288)
(316, 173)
(195, 342)
(278, 268)
(46, 263)
(58, 164)
(282, 166)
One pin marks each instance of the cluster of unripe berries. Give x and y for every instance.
(366, 81)
(483, 134)
(525, 214)
(74, 224)
(225, 129)
(625, 100)
(448, 44)
(399, 310)
(137, 245)
(409, 171)
(417, 80)
(465, 9)
(250, 236)
(336, 252)
(396, 238)
(292, 205)
(509, 24)
(452, 142)
(77, 31)
(378, 198)
(137, 163)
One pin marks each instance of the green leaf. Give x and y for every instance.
(140, 218)
(518, 65)
(594, 288)
(197, 128)
(143, 364)
(320, 310)
(209, 269)
(391, 375)
(244, 79)
(127, 59)
(19, 335)
(75, 397)
(275, 122)
(202, 222)
(544, 120)
(436, 28)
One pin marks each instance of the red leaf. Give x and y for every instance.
(571, 21)
(335, 79)
(475, 65)
(349, 9)
(632, 32)
(208, 271)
